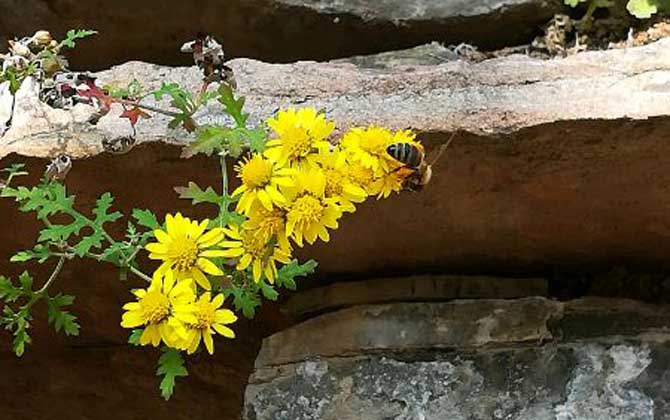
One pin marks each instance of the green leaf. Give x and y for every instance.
(132, 91)
(21, 337)
(574, 3)
(26, 282)
(642, 9)
(39, 252)
(181, 99)
(287, 274)
(268, 291)
(170, 367)
(8, 291)
(209, 139)
(244, 300)
(134, 337)
(233, 106)
(257, 139)
(59, 318)
(75, 34)
(197, 195)
(146, 218)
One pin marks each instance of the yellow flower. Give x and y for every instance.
(362, 176)
(299, 134)
(260, 179)
(390, 182)
(184, 249)
(368, 146)
(154, 307)
(206, 320)
(252, 247)
(309, 211)
(269, 223)
(339, 183)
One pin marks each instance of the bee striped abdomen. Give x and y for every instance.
(406, 153)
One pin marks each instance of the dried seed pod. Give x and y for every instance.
(58, 169)
(42, 38)
(119, 145)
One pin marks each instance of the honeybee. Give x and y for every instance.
(413, 158)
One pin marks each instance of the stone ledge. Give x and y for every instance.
(488, 98)
(407, 289)
(462, 325)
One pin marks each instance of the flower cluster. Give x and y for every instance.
(170, 310)
(301, 185)
(295, 191)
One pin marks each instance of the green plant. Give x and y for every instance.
(295, 186)
(641, 9)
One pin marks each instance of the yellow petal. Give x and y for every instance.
(232, 252)
(244, 262)
(257, 270)
(209, 343)
(210, 238)
(209, 267)
(213, 253)
(200, 279)
(224, 331)
(218, 300)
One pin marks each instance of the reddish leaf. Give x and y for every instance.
(134, 114)
(94, 92)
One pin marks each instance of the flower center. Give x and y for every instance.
(298, 143)
(361, 175)
(271, 221)
(308, 209)
(254, 244)
(155, 307)
(205, 315)
(256, 172)
(334, 182)
(184, 254)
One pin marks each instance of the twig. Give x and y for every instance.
(149, 107)
(139, 273)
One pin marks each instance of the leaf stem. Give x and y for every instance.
(148, 107)
(224, 187)
(139, 273)
(52, 277)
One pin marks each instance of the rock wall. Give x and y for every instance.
(524, 359)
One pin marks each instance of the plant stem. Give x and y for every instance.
(224, 187)
(53, 276)
(149, 108)
(139, 273)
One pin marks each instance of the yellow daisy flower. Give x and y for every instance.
(390, 182)
(260, 179)
(184, 249)
(363, 177)
(154, 307)
(368, 146)
(270, 223)
(299, 134)
(309, 211)
(339, 184)
(207, 320)
(252, 247)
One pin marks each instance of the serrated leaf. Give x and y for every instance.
(146, 218)
(268, 291)
(197, 195)
(244, 300)
(286, 275)
(134, 337)
(209, 139)
(21, 337)
(59, 318)
(74, 34)
(170, 367)
(8, 291)
(257, 139)
(233, 106)
(26, 282)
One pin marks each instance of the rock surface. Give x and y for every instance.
(388, 366)
(575, 146)
(273, 30)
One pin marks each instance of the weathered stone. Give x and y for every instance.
(6, 106)
(412, 327)
(416, 288)
(273, 30)
(524, 359)
(586, 381)
(495, 96)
